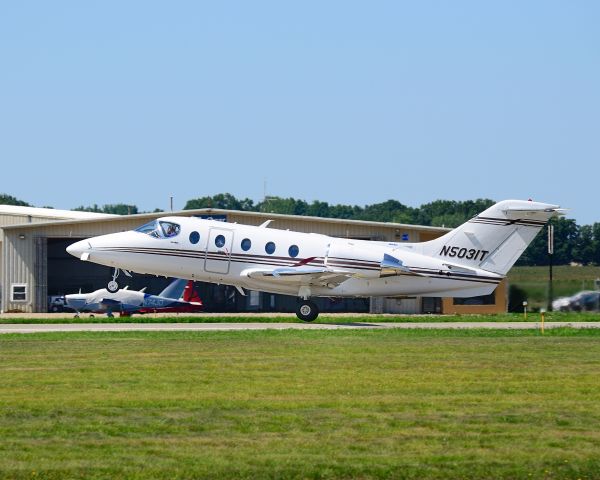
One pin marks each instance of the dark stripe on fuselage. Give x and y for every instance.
(285, 262)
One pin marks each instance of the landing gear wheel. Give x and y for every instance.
(307, 311)
(113, 286)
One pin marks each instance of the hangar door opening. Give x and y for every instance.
(67, 274)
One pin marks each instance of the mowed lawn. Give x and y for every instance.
(301, 404)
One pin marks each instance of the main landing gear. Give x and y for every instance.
(307, 311)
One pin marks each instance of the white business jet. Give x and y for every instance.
(468, 261)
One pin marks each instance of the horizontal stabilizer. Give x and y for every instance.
(520, 212)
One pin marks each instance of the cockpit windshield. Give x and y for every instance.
(169, 229)
(160, 229)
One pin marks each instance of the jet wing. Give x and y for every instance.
(301, 275)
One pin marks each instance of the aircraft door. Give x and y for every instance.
(218, 250)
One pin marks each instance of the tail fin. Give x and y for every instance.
(174, 289)
(190, 294)
(495, 239)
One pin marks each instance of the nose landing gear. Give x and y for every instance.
(113, 286)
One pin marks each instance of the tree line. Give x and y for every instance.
(573, 243)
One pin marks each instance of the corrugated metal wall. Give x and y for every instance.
(19, 258)
(6, 219)
(40, 287)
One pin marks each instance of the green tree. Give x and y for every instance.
(583, 248)
(287, 206)
(384, 211)
(596, 244)
(224, 201)
(6, 199)
(113, 208)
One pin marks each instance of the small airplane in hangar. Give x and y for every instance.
(468, 261)
(179, 296)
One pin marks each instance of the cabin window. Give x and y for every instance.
(170, 229)
(270, 248)
(246, 244)
(293, 251)
(18, 292)
(194, 237)
(219, 241)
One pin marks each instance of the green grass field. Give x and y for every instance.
(323, 318)
(567, 281)
(301, 404)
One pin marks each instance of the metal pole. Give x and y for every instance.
(171, 203)
(550, 255)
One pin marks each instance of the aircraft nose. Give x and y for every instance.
(77, 249)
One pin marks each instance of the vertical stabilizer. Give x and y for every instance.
(174, 289)
(190, 294)
(495, 239)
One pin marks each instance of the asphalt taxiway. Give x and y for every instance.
(215, 327)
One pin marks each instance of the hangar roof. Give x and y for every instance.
(50, 213)
(143, 217)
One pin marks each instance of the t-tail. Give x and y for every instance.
(495, 239)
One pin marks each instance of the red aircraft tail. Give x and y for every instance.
(190, 294)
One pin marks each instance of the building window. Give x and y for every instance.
(293, 251)
(481, 300)
(246, 244)
(270, 248)
(220, 241)
(194, 237)
(18, 292)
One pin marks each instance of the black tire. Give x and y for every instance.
(112, 286)
(307, 311)
(54, 309)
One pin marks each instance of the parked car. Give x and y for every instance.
(57, 303)
(585, 301)
(561, 304)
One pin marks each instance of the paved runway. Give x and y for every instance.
(213, 327)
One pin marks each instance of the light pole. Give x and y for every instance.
(550, 256)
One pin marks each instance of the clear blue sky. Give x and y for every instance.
(346, 102)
